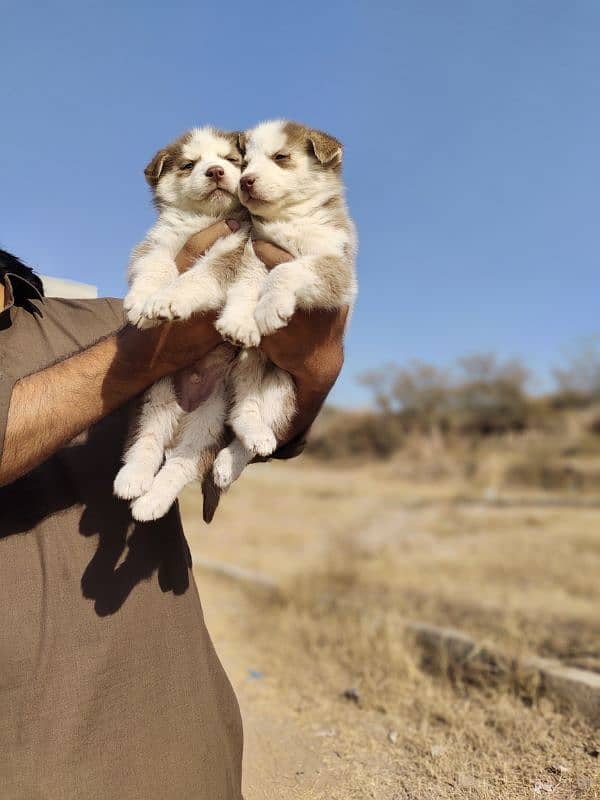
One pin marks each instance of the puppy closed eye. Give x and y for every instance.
(234, 160)
(188, 166)
(281, 157)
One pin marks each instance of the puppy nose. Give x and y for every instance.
(247, 181)
(215, 172)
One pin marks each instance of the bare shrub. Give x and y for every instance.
(578, 380)
(351, 435)
(422, 391)
(490, 396)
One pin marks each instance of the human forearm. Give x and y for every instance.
(50, 407)
(310, 348)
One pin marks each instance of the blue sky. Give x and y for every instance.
(472, 134)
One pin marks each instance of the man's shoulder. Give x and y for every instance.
(80, 320)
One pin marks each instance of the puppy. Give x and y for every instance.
(194, 181)
(292, 186)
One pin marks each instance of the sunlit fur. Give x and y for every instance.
(188, 202)
(193, 190)
(168, 446)
(296, 202)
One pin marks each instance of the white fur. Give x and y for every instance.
(288, 209)
(199, 431)
(169, 446)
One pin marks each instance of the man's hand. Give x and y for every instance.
(310, 348)
(50, 407)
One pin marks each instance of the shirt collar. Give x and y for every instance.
(27, 291)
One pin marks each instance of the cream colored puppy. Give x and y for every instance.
(194, 182)
(292, 185)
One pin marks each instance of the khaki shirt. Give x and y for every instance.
(109, 683)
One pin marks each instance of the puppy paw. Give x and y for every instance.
(273, 312)
(238, 330)
(182, 307)
(223, 469)
(131, 482)
(158, 307)
(145, 323)
(261, 442)
(173, 305)
(133, 305)
(150, 506)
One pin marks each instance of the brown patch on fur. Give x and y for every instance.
(325, 148)
(334, 203)
(225, 267)
(233, 137)
(171, 156)
(142, 249)
(337, 280)
(165, 160)
(337, 213)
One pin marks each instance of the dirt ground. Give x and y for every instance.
(333, 697)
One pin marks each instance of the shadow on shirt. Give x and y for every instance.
(71, 494)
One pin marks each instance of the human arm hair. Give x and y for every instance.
(48, 408)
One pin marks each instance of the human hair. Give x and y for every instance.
(11, 264)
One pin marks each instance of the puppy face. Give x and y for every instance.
(287, 164)
(197, 172)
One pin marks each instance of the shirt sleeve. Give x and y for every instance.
(41, 333)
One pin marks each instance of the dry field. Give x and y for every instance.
(354, 551)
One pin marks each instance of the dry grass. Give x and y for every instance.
(358, 549)
(558, 450)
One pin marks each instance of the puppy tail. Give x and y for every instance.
(211, 497)
(211, 493)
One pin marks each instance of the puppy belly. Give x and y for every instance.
(196, 383)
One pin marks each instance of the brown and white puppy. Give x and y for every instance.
(292, 186)
(194, 182)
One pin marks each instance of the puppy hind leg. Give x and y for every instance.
(155, 428)
(200, 432)
(278, 401)
(230, 463)
(245, 416)
(249, 427)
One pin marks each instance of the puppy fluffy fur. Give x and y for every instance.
(291, 185)
(194, 182)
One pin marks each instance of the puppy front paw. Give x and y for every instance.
(161, 306)
(174, 304)
(273, 311)
(238, 329)
(133, 305)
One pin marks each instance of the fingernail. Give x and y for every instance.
(233, 224)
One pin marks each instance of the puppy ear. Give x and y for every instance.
(327, 149)
(156, 167)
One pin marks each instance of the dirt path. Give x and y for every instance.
(281, 758)
(353, 551)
